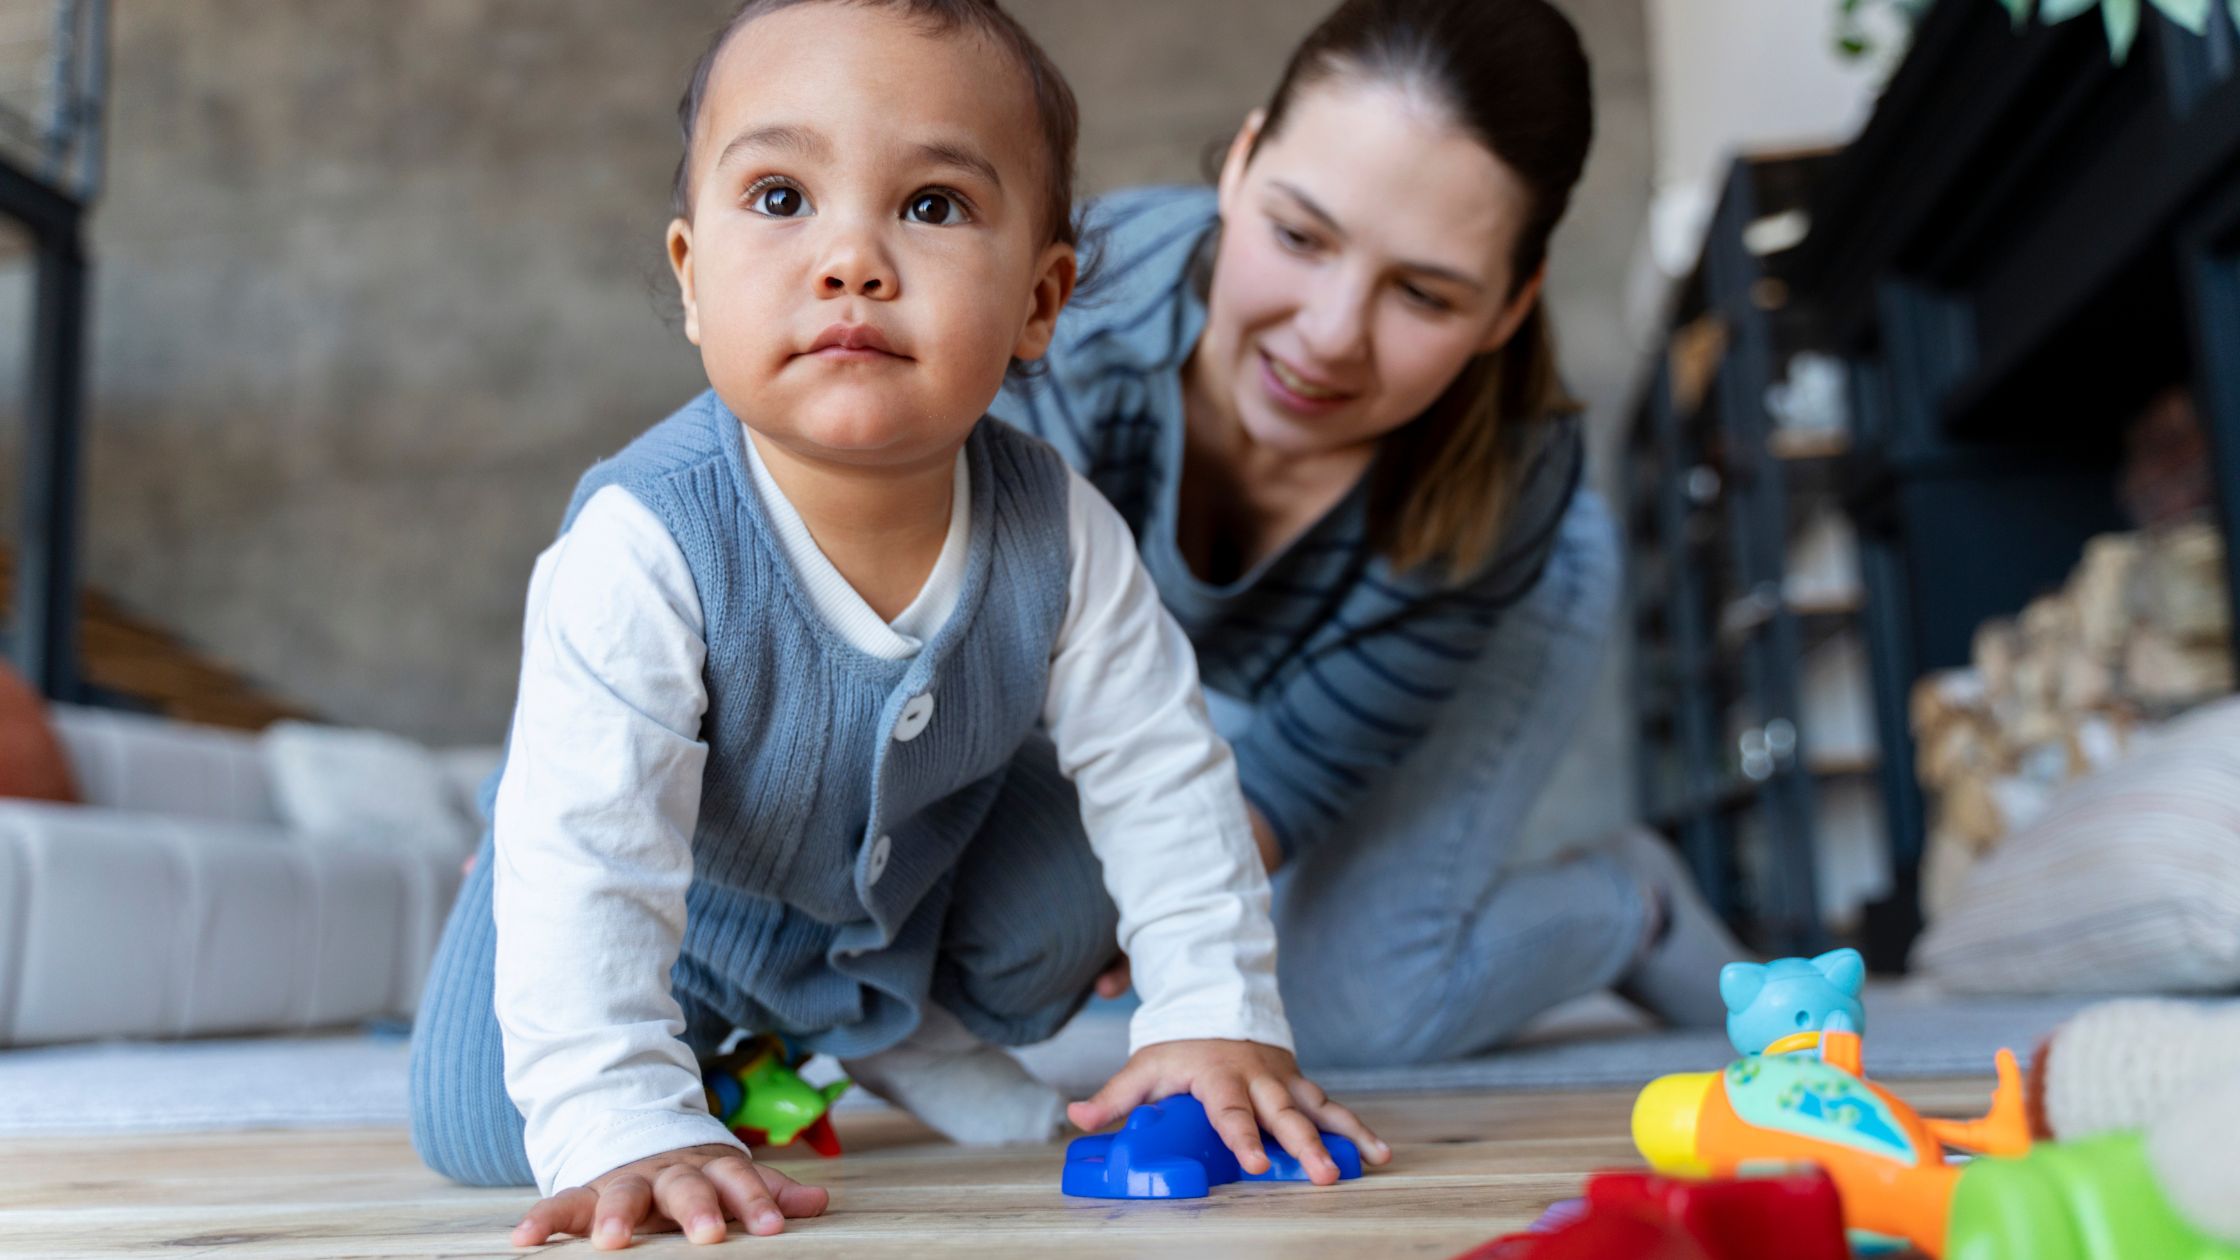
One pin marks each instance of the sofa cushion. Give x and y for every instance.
(145, 764)
(334, 784)
(32, 765)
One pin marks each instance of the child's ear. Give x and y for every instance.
(680, 265)
(1053, 288)
(1240, 155)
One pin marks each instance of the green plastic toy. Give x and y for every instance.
(758, 1093)
(2094, 1199)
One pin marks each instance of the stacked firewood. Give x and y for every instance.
(2141, 631)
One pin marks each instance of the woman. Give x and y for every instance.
(1324, 397)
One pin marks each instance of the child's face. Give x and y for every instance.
(861, 182)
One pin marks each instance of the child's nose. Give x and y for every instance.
(857, 267)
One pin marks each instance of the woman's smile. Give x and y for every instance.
(1298, 391)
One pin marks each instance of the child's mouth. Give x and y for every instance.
(852, 343)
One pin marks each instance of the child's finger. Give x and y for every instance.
(1120, 1095)
(747, 1195)
(622, 1204)
(568, 1212)
(1280, 1115)
(794, 1199)
(686, 1196)
(1229, 1108)
(1337, 1118)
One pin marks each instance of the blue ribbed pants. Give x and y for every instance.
(1028, 928)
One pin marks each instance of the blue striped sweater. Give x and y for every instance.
(1344, 660)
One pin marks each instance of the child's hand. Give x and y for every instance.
(1245, 1087)
(693, 1189)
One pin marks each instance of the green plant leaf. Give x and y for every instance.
(2193, 15)
(2052, 11)
(2122, 19)
(2019, 10)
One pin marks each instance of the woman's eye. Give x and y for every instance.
(937, 209)
(1426, 299)
(1292, 239)
(779, 201)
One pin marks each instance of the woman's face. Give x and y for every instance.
(1364, 259)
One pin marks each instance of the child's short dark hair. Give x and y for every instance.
(1053, 97)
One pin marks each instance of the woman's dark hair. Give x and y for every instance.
(1512, 74)
(1055, 109)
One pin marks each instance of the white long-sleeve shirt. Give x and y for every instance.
(600, 799)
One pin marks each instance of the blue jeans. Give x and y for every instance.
(1406, 937)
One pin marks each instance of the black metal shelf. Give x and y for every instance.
(1710, 523)
(2023, 245)
(47, 191)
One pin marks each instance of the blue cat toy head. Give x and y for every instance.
(1769, 1001)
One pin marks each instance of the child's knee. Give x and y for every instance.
(468, 1137)
(1022, 987)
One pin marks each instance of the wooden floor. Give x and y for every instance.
(1465, 1168)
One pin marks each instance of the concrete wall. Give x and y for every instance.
(378, 280)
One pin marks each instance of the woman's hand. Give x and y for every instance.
(693, 1189)
(1264, 837)
(1116, 978)
(1245, 1087)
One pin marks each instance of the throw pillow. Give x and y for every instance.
(2129, 882)
(32, 765)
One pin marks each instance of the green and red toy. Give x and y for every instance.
(758, 1093)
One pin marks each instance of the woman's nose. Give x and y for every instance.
(1335, 324)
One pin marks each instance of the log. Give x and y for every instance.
(1957, 748)
(2083, 681)
(1948, 695)
(2165, 673)
(2101, 593)
(1969, 813)
(2181, 589)
(2097, 741)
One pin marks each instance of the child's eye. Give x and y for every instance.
(939, 209)
(776, 199)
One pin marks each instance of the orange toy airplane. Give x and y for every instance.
(1791, 1105)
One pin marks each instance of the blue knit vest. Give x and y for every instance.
(823, 855)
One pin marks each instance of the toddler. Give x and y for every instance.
(806, 671)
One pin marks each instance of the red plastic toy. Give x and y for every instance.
(1640, 1216)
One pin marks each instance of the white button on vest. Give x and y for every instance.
(881, 850)
(916, 712)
